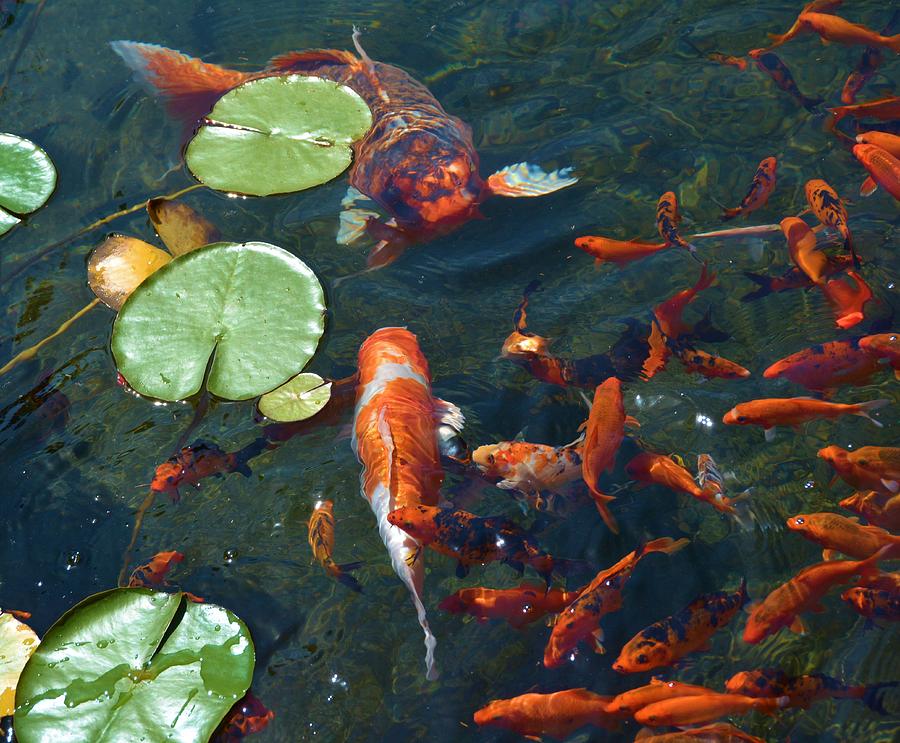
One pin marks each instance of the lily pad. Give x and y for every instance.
(181, 228)
(297, 399)
(132, 664)
(17, 642)
(256, 310)
(278, 134)
(118, 266)
(27, 178)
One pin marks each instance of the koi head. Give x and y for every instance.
(835, 456)
(883, 344)
(167, 477)
(417, 521)
(520, 345)
(861, 599)
(490, 460)
(645, 656)
(734, 418)
(764, 683)
(500, 713)
(802, 522)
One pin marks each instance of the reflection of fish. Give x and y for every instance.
(771, 64)
(192, 464)
(519, 606)
(816, 6)
(760, 189)
(321, 541)
(717, 732)
(556, 715)
(418, 163)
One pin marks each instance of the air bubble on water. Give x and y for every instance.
(229, 556)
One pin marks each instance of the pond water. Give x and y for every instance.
(621, 91)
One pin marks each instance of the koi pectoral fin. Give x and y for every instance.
(354, 217)
(597, 641)
(413, 555)
(525, 179)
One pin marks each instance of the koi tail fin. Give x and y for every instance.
(762, 281)
(344, 578)
(664, 544)
(525, 179)
(190, 86)
(601, 500)
(869, 566)
(863, 409)
(868, 187)
(873, 696)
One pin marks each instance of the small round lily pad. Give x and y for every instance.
(297, 399)
(278, 134)
(27, 178)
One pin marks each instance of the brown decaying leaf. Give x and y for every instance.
(180, 227)
(119, 264)
(17, 642)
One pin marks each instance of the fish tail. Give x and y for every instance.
(664, 544)
(190, 86)
(863, 408)
(873, 695)
(600, 500)
(731, 213)
(765, 286)
(869, 566)
(343, 576)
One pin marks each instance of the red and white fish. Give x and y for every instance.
(396, 433)
(417, 163)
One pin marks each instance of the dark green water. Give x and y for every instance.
(614, 89)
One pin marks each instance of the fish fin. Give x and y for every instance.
(798, 626)
(368, 66)
(190, 86)
(632, 422)
(353, 219)
(865, 407)
(462, 570)
(868, 187)
(731, 213)
(770, 434)
(413, 557)
(597, 641)
(891, 485)
(765, 286)
(828, 554)
(348, 580)
(449, 414)
(706, 331)
(385, 252)
(310, 60)
(525, 179)
(600, 500)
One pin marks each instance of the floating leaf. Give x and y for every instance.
(27, 178)
(257, 310)
(118, 266)
(17, 642)
(132, 664)
(181, 228)
(297, 399)
(278, 134)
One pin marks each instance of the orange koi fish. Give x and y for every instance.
(848, 302)
(874, 603)
(530, 468)
(793, 278)
(720, 732)
(321, 541)
(471, 539)
(518, 606)
(837, 533)
(868, 64)
(841, 31)
(603, 436)
(792, 411)
(192, 464)
(417, 163)
(556, 715)
(395, 437)
(703, 708)
(153, 573)
(884, 109)
(829, 210)
(728, 59)
(802, 691)
(801, 242)
(603, 595)
(698, 361)
(876, 508)
(667, 641)
(760, 189)
(629, 702)
(884, 346)
(825, 367)
(667, 220)
(658, 469)
(771, 64)
(247, 716)
(867, 468)
(884, 140)
(804, 592)
(816, 6)
(882, 165)
(620, 252)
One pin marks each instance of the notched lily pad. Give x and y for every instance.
(179, 227)
(278, 134)
(132, 664)
(256, 310)
(297, 399)
(118, 266)
(17, 642)
(27, 178)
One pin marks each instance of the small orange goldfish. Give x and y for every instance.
(192, 464)
(658, 469)
(837, 533)
(581, 619)
(620, 252)
(321, 540)
(667, 220)
(792, 411)
(517, 606)
(867, 468)
(667, 641)
(884, 168)
(876, 508)
(816, 6)
(703, 708)
(603, 436)
(760, 189)
(828, 208)
(728, 59)
(153, 573)
(841, 31)
(698, 361)
(557, 715)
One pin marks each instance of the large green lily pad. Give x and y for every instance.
(278, 134)
(255, 309)
(132, 664)
(27, 178)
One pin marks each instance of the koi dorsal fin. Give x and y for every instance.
(310, 60)
(189, 85)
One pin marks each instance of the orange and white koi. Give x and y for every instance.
(837, 533)
(604, 432)
(603, 595)
(884, 168)
(518, 606)
(868, 468)
(395, 436)
(659, 469)
(760, 189)
(629, 702)
(667, 220)
(828, 208)
(876, 508)
(703, 708)
(804, 592)
(792, 411)
(667, 641)
(841, 31)
(321, 541)
(620, 252)
(556, 715)
(825, 367)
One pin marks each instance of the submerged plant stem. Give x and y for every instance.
(31, 352)
(138, 520)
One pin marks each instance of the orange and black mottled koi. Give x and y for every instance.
(826, 366)
(247, 716)
(874, 603)
(802, 691)
(727, 59)
(868, 64)
(793, 278)
(760, 189)
(192, 464)
(697, 361)
(667, 641)
(771, 64)
(830, 211)
(152, 574)
(321, 541)
(667, 219)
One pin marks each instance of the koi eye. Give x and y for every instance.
(490, 458)
(642, 658)
(742, 418)
(800, 521)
